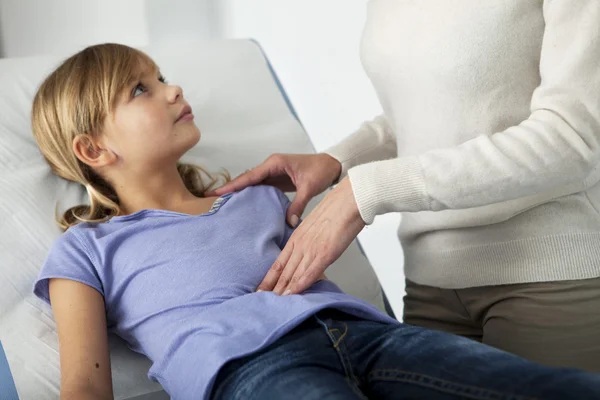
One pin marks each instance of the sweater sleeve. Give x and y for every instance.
(373, 141)
(558, 144)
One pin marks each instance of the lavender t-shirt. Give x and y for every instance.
(180, 288)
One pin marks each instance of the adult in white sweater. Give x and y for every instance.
(490, 146)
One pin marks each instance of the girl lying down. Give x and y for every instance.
(175, 273)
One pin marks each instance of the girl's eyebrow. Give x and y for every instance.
(148, 74)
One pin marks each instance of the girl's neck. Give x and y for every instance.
(163, 191)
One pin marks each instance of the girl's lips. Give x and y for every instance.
(185, 114)
(186, 117)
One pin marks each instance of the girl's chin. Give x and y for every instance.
(194, 140)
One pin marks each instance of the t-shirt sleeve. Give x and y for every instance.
(68, 259)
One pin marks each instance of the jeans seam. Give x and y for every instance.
(337, 341)
(409, 379)
(355, 389)
(344, 358)
(341, 349)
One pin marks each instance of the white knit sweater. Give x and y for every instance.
(490, 138)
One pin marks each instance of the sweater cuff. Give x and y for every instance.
(396, 185)
(373, 141)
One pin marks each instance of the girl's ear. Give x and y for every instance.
(89, 152)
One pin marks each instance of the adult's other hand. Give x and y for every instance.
(319, 240)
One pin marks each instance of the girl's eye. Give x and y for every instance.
(139, 89)
(163, 80)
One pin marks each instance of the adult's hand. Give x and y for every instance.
(306, 174)
(319, 240)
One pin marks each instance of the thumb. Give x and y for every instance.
(295, 210)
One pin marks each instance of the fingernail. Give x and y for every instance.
(294, 221)
(259, 290)
(287, 292)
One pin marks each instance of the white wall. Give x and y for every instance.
(314, 47)
(181, 20)
(29, 27)
(1, 34)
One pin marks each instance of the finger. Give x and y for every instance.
(213, 192)
(287, 273)
(300, 272)
(250, 178)
(272, 276)
(310, 276)
(296, 209)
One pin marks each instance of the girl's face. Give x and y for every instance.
(152, 125)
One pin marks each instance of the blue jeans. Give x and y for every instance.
(333, 356)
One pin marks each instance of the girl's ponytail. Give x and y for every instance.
(104, 205)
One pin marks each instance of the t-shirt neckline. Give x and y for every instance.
(218, 203)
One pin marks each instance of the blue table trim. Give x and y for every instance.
(278, 83)
(8, 390)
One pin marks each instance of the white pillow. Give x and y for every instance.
(243, 117)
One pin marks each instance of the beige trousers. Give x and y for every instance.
(554, 323)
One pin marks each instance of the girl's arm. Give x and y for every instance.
(83, 340)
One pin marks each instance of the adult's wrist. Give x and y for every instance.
(333, 166)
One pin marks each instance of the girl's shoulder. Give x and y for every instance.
(264, 193)
(81, 237)
(74, 237)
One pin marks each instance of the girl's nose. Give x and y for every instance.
(174, 92)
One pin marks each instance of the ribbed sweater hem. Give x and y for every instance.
(537, 259)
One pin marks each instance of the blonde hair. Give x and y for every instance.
(75, 99)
